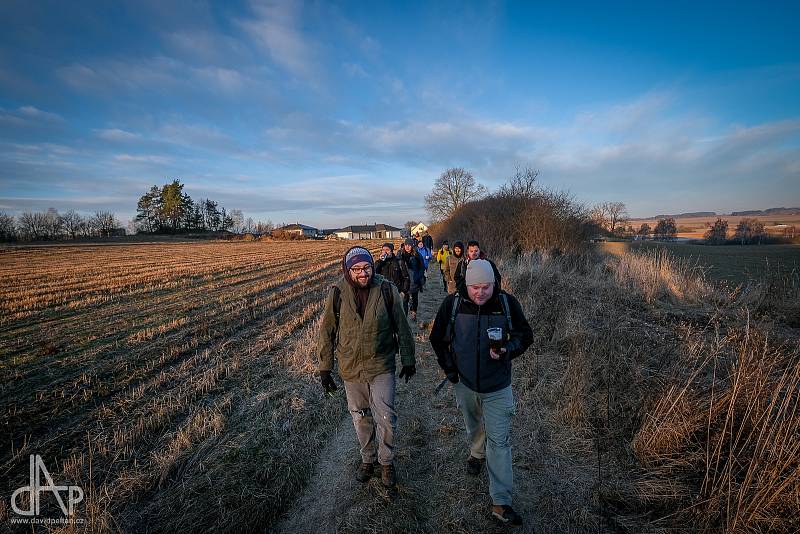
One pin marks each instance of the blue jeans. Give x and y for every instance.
(487, 417)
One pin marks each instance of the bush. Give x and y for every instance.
(519, 219)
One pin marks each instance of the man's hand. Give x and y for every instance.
(327, 382)
(402, 295)
(497, 355)
(408, 371)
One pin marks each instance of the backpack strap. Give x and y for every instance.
(507, 311)
(337, 307)
(451, 325)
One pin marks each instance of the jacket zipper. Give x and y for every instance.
(478, 354)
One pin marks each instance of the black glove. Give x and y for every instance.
(452, 376)
(408, 371)
(327, 381)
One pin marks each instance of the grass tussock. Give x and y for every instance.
(654, 400)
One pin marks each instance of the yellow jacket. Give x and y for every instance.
(442, 255)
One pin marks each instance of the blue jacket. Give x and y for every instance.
(426, 255)
(416, 268)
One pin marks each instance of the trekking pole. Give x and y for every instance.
(440, 386)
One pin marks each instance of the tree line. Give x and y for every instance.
(52, 225)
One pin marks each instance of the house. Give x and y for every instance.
(299, 229)
(371, 231)
(419, 229)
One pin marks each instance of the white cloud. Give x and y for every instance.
(275, 29)
(142, 158)
(115, 134)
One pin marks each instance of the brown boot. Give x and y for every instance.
(387, 475)
(364, 472)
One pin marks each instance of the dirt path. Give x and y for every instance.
(434, 493)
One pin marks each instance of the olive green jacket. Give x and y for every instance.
(366, 347)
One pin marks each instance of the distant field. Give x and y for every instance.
(733, 264)
(695, 227)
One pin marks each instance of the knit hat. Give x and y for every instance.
(479, 272)
(409, 241)
(389, 245)
(356, 255)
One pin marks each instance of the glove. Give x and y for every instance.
(327, 382)
(452, 376)
(408, 371)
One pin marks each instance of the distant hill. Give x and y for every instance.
(746, 213)
(770, 211)
(687, 215)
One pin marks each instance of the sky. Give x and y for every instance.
(332, 114)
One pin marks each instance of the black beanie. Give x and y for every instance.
(390, 245)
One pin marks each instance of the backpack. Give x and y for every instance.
(388, 300)
(451, 325)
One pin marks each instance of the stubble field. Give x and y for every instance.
(122, 363)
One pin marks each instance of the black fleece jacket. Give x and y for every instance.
(468, 352)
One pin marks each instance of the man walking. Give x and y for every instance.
(441, 259)
(473, 252)
(452, 264)
(476, 334)
(363, 325)
(393, 269)
(416, 274)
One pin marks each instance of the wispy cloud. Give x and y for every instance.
(275, 28)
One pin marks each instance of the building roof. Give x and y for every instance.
(365, 229)
(297, 226)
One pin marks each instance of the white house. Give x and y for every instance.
(370, 231)
(420, 229)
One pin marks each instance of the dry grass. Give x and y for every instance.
(652, 402)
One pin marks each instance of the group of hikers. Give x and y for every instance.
(477, 332)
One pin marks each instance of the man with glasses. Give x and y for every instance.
(364, 325)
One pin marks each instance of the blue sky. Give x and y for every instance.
(344, 113)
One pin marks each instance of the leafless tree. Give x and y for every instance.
(8, 231)
(104, 222)
(617, 214)
(522, 184)
(237, 217)
(71, 223)
(33, 225)
(454, 188)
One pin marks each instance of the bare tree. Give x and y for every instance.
(104, 222)
(8, 231)
(71, 223)
(33, 225)
(718, 232)
(522, 184)
(454, 188)
(598, 216)
(617, 214)
(238, 221)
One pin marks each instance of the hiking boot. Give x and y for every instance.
(474, 465)
(387, 475)
(413, 316)
(364, 472)
(506, 515)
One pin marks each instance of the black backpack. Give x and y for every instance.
(451, 325)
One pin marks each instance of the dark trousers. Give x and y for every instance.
(410, 300)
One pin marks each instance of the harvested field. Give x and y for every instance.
(123, 364)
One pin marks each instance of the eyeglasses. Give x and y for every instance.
(359, 270)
